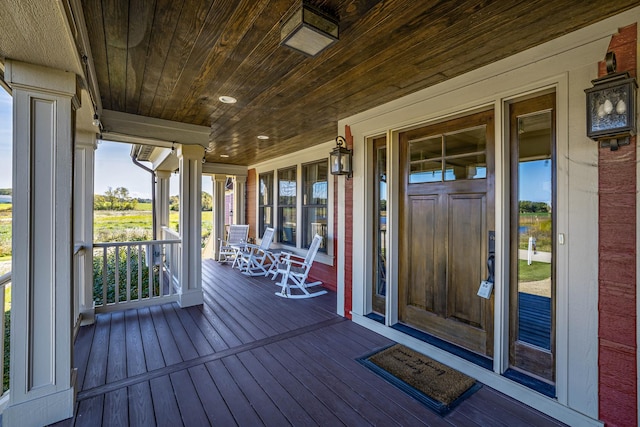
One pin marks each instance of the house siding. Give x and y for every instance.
(617, 362)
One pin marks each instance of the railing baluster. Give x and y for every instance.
(139, 272)
(151, 261)
(128, 273)
(2, 327)
(161, 271)
(105, 285)
(116, 298)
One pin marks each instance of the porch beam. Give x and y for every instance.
(190, 158)
(42, 380)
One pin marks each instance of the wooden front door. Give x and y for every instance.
(446, 217)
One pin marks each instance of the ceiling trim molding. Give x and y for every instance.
(133, 125)
(224, 169)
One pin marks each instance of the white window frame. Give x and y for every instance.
(311, 155)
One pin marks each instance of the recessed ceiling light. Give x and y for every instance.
(228, 99)
(263, 137)
(224, 156)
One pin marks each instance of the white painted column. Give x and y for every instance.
(42, 380)
(218, 211)
(83, 189)
(162, 200)
(239, 196)
(190, 157)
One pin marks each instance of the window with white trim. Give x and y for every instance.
(287, 205)
(265, 201)
(314, 202)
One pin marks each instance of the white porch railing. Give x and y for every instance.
(5, 327)
(172, 256)
(134, 274)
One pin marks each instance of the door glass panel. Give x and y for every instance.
(535, 229)
(466, 142)
(425, 171)
(426, 160)
(468, 167)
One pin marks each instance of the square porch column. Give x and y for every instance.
(42, 380)
(190, 157)
(162, 201)
(83, 187)
(239, 199)
(219, 182)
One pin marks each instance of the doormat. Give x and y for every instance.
(435, 385)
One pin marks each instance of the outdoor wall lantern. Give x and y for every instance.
(309, 31)
(340, 159)
(611, 107)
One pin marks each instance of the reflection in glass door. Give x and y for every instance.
(379, 287)
(532, 343)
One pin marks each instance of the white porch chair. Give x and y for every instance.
(295, 269)
(252, 258)
(236, 238)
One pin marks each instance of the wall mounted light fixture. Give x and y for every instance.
(341, 158)
(309, 30)
(611, 107)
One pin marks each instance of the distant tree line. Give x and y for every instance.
(120, 200)
(207, 202)
(5, 191)
(115, 200)
(527, 206)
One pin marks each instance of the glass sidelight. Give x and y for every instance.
(380, 225)
(532, 332)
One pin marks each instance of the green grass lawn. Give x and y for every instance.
(534, 272)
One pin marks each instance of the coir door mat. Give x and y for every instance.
(436, 385)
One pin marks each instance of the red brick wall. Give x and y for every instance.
(617, 363)
(250, 207)
(348, 235)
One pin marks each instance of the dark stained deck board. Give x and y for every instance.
(238, 326)
(342, 353)
(344, 382)
(169, 347)
(141, 405)
(193, 413)
(152, 352)
(317, 389)
(82, 351)
(242, 410)
(292, 384)
(116, 408)
(89, 412)
(212, 401)
(201, 322)
(96, 372)
(295, 413)
(117, 359)
(198, 339)
(180, 335)
(165, 406)
(134, 348)
(267, 410)
(240, 297)
(205, 366)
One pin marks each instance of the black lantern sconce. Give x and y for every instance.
(340, 159)
(611, 107)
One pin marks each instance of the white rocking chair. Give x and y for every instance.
(236, 238)
(252, 258)
(294, 268)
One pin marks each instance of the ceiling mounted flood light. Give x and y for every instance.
(308, 30)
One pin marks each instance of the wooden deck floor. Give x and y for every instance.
(247, 357)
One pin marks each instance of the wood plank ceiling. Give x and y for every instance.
(173, 59)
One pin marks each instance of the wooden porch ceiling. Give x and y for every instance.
(172, 59)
